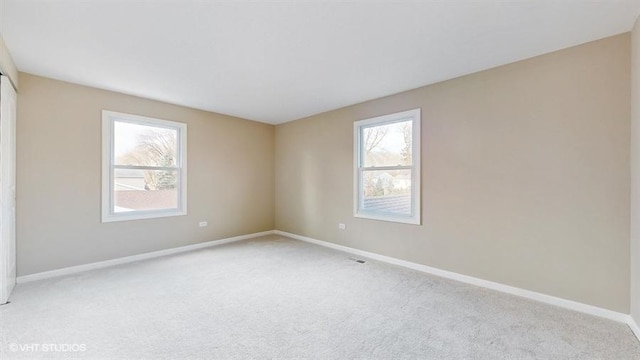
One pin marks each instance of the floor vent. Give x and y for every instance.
(357, 260)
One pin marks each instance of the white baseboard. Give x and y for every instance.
(548, 299)
(634, 327)
(128, 259)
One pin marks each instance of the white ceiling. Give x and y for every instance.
(276, 61)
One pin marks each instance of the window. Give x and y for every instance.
(387, 167)
(144, 167)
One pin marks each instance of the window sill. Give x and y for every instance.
(140, 215)
(390, 218)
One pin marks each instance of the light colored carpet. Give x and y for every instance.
(277, 298)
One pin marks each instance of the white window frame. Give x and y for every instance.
(359, 168)
(108, 167)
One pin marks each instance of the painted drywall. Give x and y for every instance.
(525, 175)
(635, 172)
(230, 178)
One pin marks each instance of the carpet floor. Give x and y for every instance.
(278, 298)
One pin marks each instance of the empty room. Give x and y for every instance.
(320, 179)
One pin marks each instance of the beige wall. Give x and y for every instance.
(230, 178)
(635, 172)
(525, 175)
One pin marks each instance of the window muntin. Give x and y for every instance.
(144, 167)
(387, 171)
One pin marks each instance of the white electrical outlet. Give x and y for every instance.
(202, 223)
(342, 226)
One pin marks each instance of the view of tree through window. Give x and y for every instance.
(386, 173)
(145, 167)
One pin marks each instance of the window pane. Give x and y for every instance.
(143, 145)
(145, 190)
(387, 145)
(387, 191)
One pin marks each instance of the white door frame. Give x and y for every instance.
(8, 104)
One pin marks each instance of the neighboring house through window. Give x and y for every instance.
(143, 167)
(387, 167)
